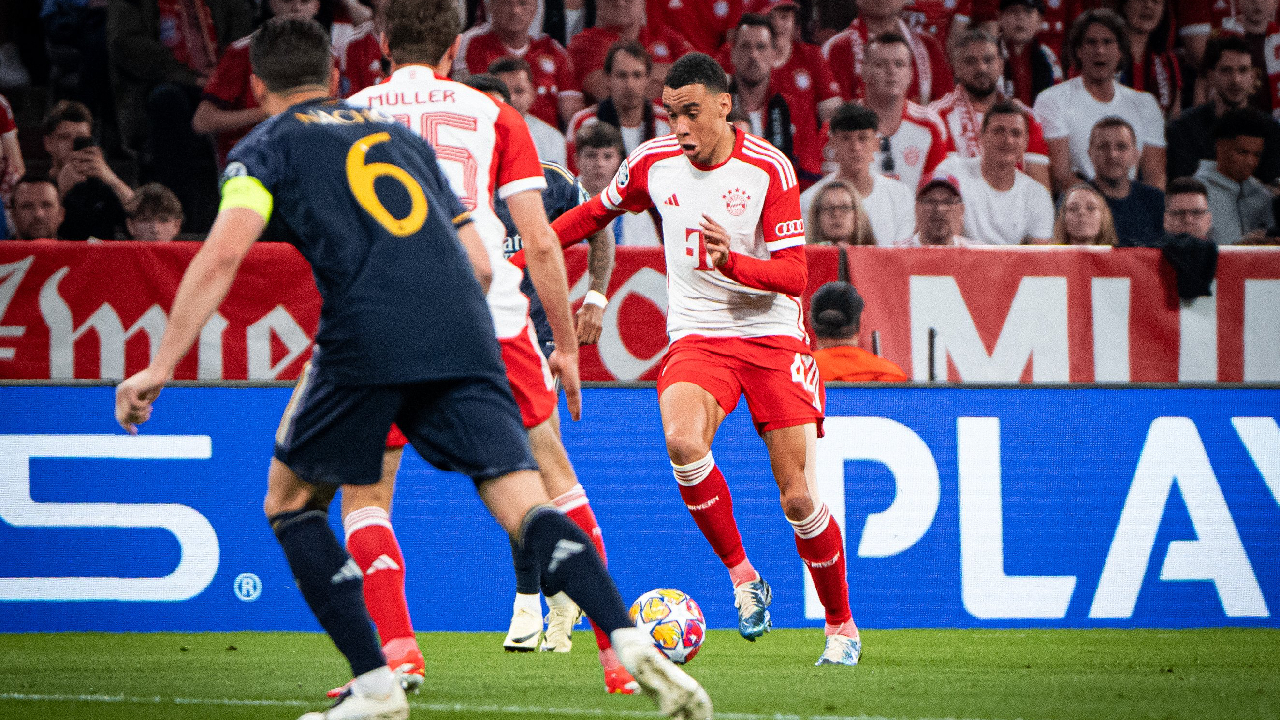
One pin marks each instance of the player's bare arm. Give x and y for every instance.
(546, 270)
(600, 258)
(203, 287)
(474, 246)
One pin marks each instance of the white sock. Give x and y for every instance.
(377, 683)
(531, 603)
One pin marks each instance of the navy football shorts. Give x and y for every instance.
(336, 434)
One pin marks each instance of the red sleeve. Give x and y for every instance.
(629, 189)
(937, 153)
(230, 79)
(784, 272)
(515, 154)
(586, 54)
(939, 68)
(574, 226)
(781, 219)
(7, 123)
(1035, 139)
(364, 63)
(825, 86)
(838, 54)
(566, 76)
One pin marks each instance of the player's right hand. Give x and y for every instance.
(134, 397)
(564, 365)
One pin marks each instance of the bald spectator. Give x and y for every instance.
(516, 74)
(627, 104)
(37, 209)
(1031, 67)
(1230, 74)
(1137, 208)
(154, 214)
(1241, 205)
(625, 21)
(1186, 209)
(930, 75)
(1068, 111)
(912, 139)
(1002, 204)
(852, 143)
(939, 215)
(836, 311)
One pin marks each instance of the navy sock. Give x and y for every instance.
(332, 585)
(528, 579)
(569, 562)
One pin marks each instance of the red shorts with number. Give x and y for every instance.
(530, 379)
(776, 373)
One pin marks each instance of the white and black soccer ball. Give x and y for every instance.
(673, 621)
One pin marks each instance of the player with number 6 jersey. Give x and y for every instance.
(734, 245)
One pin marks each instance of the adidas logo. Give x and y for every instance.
(382, 563)
(565, 549)
(672, 201)
(349, 571)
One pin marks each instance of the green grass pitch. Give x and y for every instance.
(905, 674)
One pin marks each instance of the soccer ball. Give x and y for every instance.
(673, 621)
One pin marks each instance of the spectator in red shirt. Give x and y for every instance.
(836, 310)
(11, 165)
(618, 21)
(942, 19)
(1030, 66)
(704, 24)
(846, 52)
(913, 140)
(507, 33)
(798, 65)
(1152, 66)
(627, 106)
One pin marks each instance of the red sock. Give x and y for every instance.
(576, 507)
(707, 496)
(372, 544)
(822, 549)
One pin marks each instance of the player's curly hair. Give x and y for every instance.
(421, 31)
(286, 53)
(696, 68)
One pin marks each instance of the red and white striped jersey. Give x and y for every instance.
(754, 195)
(483, 146)
(964, 123)
(919, 144)
(589, 115)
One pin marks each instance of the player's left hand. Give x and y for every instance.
(134, 397)
(564, 365)
(590, 321)
(717, 241)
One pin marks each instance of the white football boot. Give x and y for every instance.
(677, 694)
(351, 706)
(562, 615)
(526, 625)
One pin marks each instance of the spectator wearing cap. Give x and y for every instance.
(1002, 204)
(798, 66)
(939, 215)
(1137, 208)
(1230, 73)
(1068, 111)
(1031, 66)
(516, 74)
(1152, 65)
(154, 214)
(1186, 209)
(627, 105)
(979, 85)
(1241, 205)
(1084, 219)
(837, 217)
(626, 21)
(929, 74)
(852, 144)
(37, 209)
(836, 311)
(913, 140)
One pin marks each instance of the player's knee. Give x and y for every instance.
(797, 504)
(685, 447)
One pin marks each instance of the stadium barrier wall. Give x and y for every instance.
(1039, 315)
(962, 506)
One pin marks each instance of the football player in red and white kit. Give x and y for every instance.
(730, 210)
(483, 147)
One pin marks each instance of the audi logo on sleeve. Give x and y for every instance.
(789, 228)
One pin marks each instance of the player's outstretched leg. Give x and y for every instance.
(331, 584)
(525, 631)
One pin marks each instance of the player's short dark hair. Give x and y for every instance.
(1004, 107)
(510, 64)
(154, 200)
(836, 310)
(890, 38)
(1186, 186)
(65, 111)
(697, 68)
(489, 83)
(754, 20)
(630, 47)
(852, 116)
(287, 53)
(1105, 17)
(1241, 122)
(1113, 121)
(1222, 44)
(33, 178)
(599, 135)
(420, 31)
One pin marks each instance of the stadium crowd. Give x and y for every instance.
(909, 122)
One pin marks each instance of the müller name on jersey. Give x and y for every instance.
(400, 97)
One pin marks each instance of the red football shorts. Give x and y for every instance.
(777, 374)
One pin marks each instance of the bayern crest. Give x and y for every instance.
(735, 201)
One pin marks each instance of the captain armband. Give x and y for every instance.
(247, 192)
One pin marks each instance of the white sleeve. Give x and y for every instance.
(906, 211)
(1151, 131)
(1052, 119)
(1039, 211)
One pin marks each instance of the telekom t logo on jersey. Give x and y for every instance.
(696, 247)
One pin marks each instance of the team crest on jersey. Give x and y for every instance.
(911, 156)
(623, 175)
(547, 64)
(721, 8)
(1055, 4)
(735, 201)
(660, 50)
(235, 169)
(802, 80)
(675, 5)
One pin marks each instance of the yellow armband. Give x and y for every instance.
(247, 192)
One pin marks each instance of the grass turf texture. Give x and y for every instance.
(983, 674)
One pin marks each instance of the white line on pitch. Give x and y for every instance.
(430, 707)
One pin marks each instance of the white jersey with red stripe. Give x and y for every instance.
(754, 195)
(483, 146)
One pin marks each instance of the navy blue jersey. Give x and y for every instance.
(365, 203)
(563, 192)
